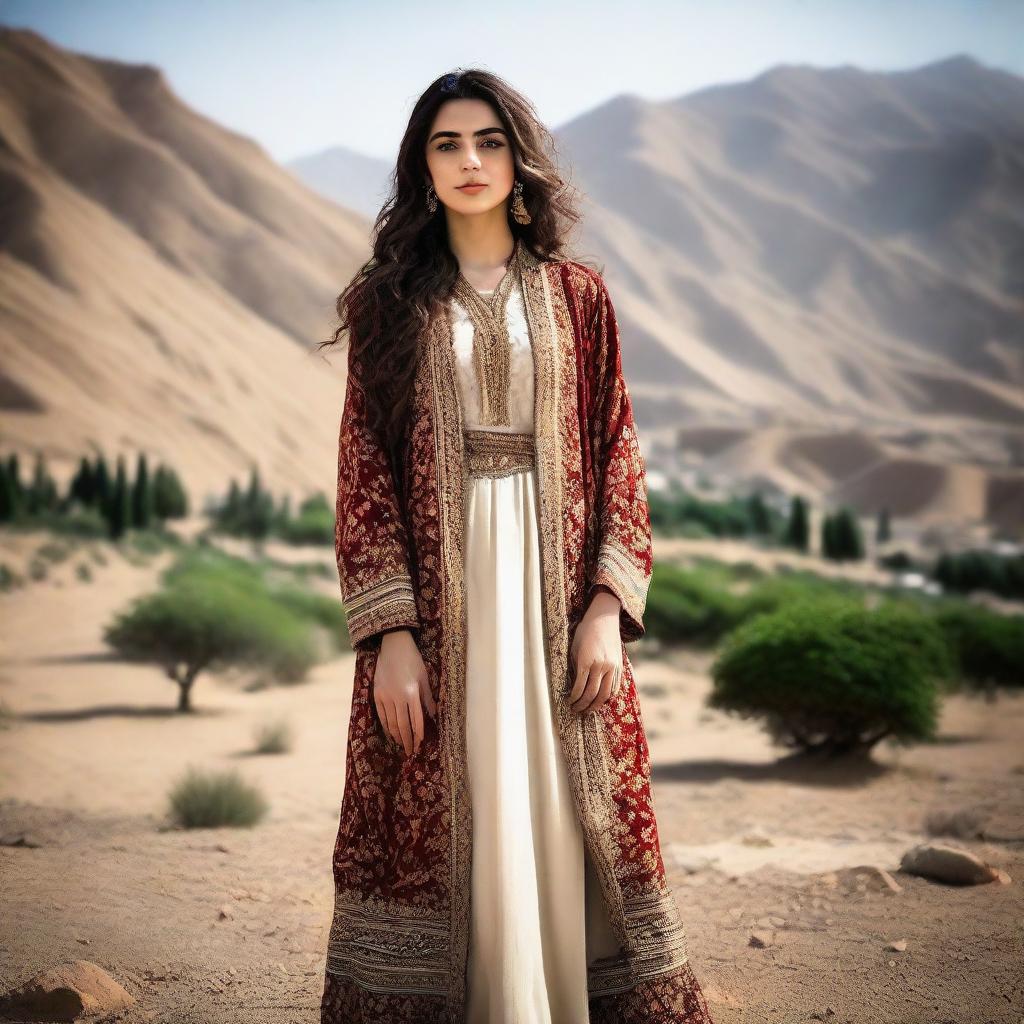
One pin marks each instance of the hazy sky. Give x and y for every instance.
(302, 75)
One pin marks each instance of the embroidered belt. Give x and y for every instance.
(498, 453)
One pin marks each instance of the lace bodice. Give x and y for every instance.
(520, 370)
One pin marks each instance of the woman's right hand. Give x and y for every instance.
(401, 689)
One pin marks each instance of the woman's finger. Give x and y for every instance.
(617, 682)
(391, 718)
(404, 725)
(590, 691)
(416, 715)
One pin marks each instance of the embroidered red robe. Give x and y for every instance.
(398, 943)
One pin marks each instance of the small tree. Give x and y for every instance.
(199, 622)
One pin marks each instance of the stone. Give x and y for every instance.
(67, 992)
(949, 864)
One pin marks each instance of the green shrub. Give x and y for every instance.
(76, 521)
(212, 800)
(827, 674)
(153, 541)
(52, 551)
(690, 605)
(701, 605)
(326, 612)
(987, 648)
(9, 579)
(273, 738)
(898, 561)
(979, 569)
(314, 523)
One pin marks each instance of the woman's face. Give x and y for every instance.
(467, 143)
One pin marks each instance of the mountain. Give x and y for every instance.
(351, 179)
(824, 251)
(163, 280)
(819, 275)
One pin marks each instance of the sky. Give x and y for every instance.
(303, 75)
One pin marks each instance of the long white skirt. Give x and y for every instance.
(537, 916)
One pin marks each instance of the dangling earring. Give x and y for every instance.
(431, 199)
(519, 211)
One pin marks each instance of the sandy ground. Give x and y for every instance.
(230, 925)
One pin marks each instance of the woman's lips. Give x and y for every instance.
(471, 188)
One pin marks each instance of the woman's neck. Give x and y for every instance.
(482, 257)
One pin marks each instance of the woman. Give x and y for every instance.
(497, 858)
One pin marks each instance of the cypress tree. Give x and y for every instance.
(883, 532)
(120, 503)
(102, 486)
(82, 484)
(19, 498)
(142, 495)
(8, 499)
(757, 511)
(798, 529)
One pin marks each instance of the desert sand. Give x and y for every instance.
(230, 925)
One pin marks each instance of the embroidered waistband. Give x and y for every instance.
(498, 453)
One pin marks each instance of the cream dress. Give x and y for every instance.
(537, 917)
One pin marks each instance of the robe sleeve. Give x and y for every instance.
(370, 538)
(625, 556)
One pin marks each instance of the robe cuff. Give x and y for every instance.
(629, 583)
(387, 605)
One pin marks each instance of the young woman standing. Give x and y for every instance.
(497, 860)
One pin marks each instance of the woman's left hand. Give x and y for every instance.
(597, 653)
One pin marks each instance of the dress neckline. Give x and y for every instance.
(490, 298)
(491, 343)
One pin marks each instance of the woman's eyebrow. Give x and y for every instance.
(458, 135)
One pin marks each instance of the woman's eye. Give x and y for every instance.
(494, 142)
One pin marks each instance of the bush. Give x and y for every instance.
(898, 561)
(273, 738)
(827, 674)
(314, 523)
(211, 800)
(77, 521)
(9, 579)
(701, 605)
(690, 605)
(978, 569)
(987, 648)
(326, 612)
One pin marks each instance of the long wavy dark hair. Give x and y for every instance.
(409, 277)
